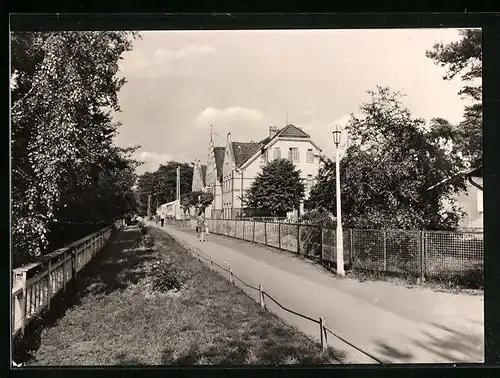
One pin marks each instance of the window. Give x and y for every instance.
(310, 156)
(479, 201)
(263, 157)
(277, 153)
(293, 154)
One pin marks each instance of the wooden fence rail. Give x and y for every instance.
(35, 284)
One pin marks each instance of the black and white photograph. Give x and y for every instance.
(246, 197)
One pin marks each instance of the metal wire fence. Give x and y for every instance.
(442, 255)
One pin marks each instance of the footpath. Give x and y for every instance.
(393, 323)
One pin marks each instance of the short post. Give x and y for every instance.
(321, 243)
(253, 231)
(243, 230)
(279, 235)
(422, 256)
(298, 238)
(211, 265)
(322, 331)
(235, 228)
(261, 297)
(230, 276)
(351, 252)
(49, 284)
(385, 250)
(199, 259)
(20, 302)
(265, 232)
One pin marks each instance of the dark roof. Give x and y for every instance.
(203, 170)
(289, 131)
(244, 151)
(219, 160)
(292, 131)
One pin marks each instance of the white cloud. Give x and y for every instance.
(227, 116)
(152, 160)
(184, 53)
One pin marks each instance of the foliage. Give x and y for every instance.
(148, 241)
(464, 58)
(166, 276)
(64, 89)
(310, 236)
(199, 200)
(162, 185)
(278, 188)
(388, 167)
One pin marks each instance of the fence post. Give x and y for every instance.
(351, 252)
(49, 284)
(265, 232)
(230, 276)
(261, 298)
(211, 265)
(253, 231)
(321, 243)
(235, 228)
(20, 310)
(322, 332)
(298, 238)
(243, 229)
(279, 235)
(199, 259)
(422, 256)
(384, 233)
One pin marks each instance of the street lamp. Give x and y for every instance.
(340, 240)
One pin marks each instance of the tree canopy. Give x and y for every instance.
(162, 184)
(391, 162)
(64, 88)
(464, 58)
(277, 189)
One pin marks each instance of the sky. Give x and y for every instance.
(181, 82)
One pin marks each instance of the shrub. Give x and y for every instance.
(311, 232)
(166, 277)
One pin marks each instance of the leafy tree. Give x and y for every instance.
(199, 200)
(162, 184)
(464, 58)
(64, 89)
(277, 189)
(388, 167)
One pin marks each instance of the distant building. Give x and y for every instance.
(231, 169)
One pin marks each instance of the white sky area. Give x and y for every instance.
(181, 82)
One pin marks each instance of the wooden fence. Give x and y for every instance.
(34, 285)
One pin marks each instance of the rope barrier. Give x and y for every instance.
(323, 331)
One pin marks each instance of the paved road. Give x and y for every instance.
(393, 323)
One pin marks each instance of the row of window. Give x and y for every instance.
(293, 155)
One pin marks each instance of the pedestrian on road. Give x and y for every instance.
(200, 226)
(162, 218)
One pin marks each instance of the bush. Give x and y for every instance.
(148, 241)
(166, 277)
(311, 232)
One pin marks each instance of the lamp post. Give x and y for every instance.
(340, 240)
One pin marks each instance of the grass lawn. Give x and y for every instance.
(120, 317)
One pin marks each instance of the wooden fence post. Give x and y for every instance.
(384, 233)
(49, 284)
(261, 297)
(253, 231)
(351, 252)
(230, 276)
(211, 265)
(279, 235)
(265, 232)
(298, 238)
(321, 242)
(322, 331)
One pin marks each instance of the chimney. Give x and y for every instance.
(272, 131)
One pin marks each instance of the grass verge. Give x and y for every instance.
(125, 316)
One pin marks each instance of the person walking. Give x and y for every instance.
(162, 218)
(200, 227)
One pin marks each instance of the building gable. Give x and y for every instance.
(244, 151)
(292, 131)
(219, 153)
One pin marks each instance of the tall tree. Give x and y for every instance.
(64, 89)
(388, 167)
(277, 189)
(464, 58)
